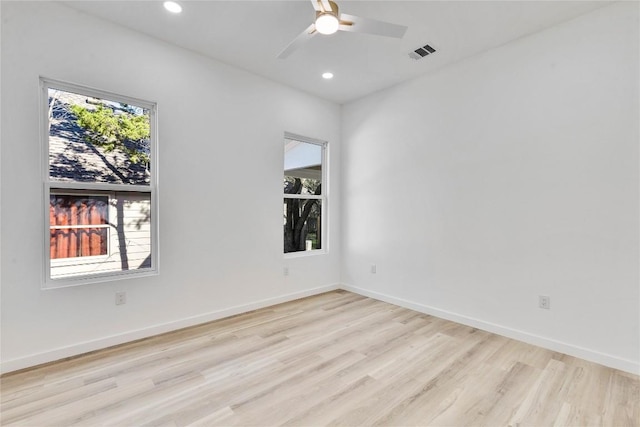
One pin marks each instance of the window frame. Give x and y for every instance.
(86, 188)
(324, 197)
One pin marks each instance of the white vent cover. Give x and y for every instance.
(421, 52)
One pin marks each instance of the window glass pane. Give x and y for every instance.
(302, 224)
(97, 140)
(302, 168)
(99, 233)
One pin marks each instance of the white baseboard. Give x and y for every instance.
(109, 341)
(548, 343)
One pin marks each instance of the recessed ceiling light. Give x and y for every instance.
(172, 7)
(327, 75)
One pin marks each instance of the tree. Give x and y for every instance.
(126, 131)
(298, 212)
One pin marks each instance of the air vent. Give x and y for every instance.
(421, 52)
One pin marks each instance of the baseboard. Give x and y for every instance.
(105, 342)
(551, 344)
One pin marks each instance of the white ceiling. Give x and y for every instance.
(249, 35)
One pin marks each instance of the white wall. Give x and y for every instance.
(506, 176)
(221, 147)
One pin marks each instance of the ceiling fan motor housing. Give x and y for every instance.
(334, 10)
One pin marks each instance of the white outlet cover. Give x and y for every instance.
(121, 298)
(544, 301)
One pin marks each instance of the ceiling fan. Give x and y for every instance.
(329, 20)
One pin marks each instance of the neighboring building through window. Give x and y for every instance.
(99, 185)
(304, 194)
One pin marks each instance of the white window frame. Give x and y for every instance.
(324, 197)
(50, 186)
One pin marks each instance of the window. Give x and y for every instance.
(99, 185)
(305, 191)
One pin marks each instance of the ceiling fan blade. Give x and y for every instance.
(357, 24)
(316, 5)
(326, 5)
(298, 41)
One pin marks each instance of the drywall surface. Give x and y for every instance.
(506, 176)
(221, 142)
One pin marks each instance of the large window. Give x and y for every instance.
(304, 194)
(99, 185)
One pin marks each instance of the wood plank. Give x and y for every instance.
(331, 359)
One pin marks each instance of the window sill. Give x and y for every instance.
(68, 282)
(303, 254)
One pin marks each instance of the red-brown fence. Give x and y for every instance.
(70, 216)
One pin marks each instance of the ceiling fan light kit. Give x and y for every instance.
(327, 24)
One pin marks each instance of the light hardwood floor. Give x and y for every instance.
(336, 358)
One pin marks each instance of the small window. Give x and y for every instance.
(304, 194)
(99, 185)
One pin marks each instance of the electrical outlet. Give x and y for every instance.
(121, 298)
(373, 269)
(544, 301)
(285, 271)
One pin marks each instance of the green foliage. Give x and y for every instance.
(111, 131)
(310, 185)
